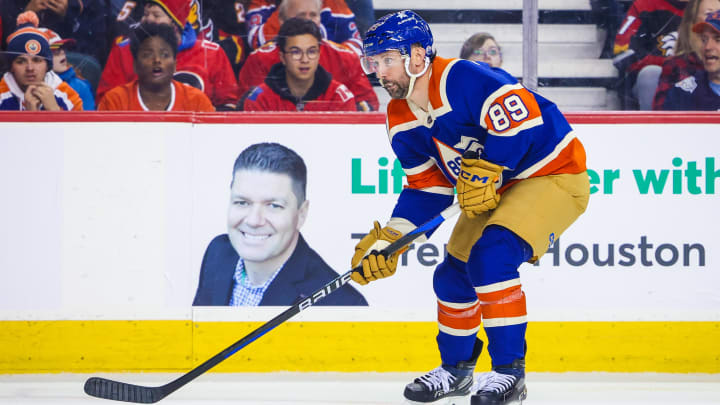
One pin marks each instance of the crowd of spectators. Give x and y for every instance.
(115, 54)
(234, 53)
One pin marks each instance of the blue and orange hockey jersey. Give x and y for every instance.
(474, 107)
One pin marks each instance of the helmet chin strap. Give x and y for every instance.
(414, 76)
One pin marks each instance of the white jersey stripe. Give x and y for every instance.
(419, 169)
(484, 289)
(547, 159)
(495, 322)
(525, 125)
(458, 332)
(439, 190)
(458, 305)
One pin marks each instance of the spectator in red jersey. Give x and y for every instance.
(299, 83)
(646, 37)
(31, 84)
(688, 49)
(154, 49)
(340, 62)
(334, 17)
(200, 63)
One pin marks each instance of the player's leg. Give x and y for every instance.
(493, 269)
(459, 321)
(531, 216)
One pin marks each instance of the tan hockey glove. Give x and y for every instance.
(374, 264)
(476, 186)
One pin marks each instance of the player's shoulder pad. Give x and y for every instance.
(688, 84)
(254, 93)
(209, 45)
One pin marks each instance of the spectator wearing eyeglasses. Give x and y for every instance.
(298, 82)
(482, 47)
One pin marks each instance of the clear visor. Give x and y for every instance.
(376, 63)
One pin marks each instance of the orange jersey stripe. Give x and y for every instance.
(432, 177)
(571, 160)
(398, 112)
(439, 65)
(459, 318)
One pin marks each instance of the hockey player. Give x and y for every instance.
(521, 181)
(299, 83)
(200, 63)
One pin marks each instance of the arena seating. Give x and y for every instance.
(570, 70)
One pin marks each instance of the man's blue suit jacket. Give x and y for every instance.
(303, 273)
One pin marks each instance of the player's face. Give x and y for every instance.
(28, 69)
(301, 57)
(489, 53)
(711, 53)
(264, 219)
(155, 63)
(307, 9)
(155, 14)
(390, 69)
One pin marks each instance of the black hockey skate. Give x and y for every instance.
(503, 386)
(444, 381)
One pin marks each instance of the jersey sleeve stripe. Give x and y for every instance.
(419, 169)
(514, 130)
(432, 177)
(567, 157)
(440, 190)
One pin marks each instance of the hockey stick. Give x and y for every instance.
(120, 391)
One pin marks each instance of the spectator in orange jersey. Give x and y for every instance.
(341, 62)
(200, 63)
(299, 83)
(31, 84)
(154, 52)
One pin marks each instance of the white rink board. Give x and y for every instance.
(110, 220)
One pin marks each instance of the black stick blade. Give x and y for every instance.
(119, 391)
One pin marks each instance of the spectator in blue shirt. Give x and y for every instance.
(67, 73)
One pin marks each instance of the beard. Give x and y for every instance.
(395, 88)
